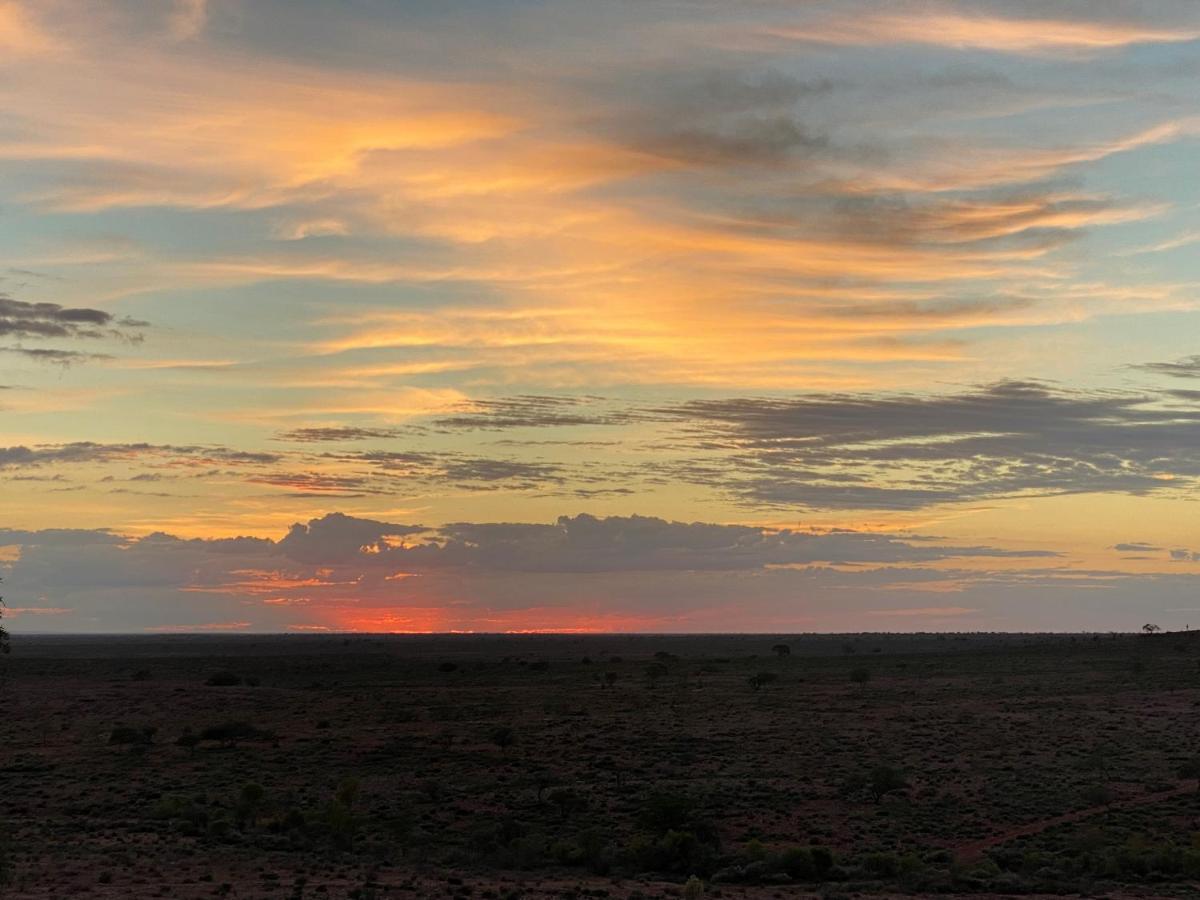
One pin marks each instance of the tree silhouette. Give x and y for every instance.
(5, 646)
(1150, 628)
(781, 650)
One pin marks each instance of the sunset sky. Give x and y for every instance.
(602, 315)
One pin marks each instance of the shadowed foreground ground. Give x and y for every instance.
(531, 766)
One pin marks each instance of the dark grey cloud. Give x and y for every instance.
(338, 538)
(904, 451)
(585, 543)
(580, 543)
(460, 470)
(20, 319)
(1188, 367)
(359, 473)
(57, 357)
(534, 411)
(1137, 547)
(1182, 555)
(314, 435)
(79, 452)
(651, 574)
(315, 484)
(59, 536)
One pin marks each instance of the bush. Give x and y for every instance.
(884, 780)
(677, 838)
(190, 817)
(230, 733)
(663, 811)
(763, 678)
(224, 679)
(340, 819)
(250, 803)
(502, 736)
(6, 867)
(126, 734)
(882, 865)
(805, 863)
(677, 852)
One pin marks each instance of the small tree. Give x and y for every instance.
(250, 803)
(655, 671)
(503, 737)
(860, 675)
(762, 678)
(781, 650)
(5, 646)
(567, 801)
(885, 780)
(610, 678)
(339, 814)
(1191, 769)
(1150, 628)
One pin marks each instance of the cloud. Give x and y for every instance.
(582, 202)
(907, 451)
(531, 411)
(28, 319)
(336, 434)
(1182, 240)
(86, 452)
(62, 358)
(339, 538)
(22, 320)
(1188, 367)
(1137, 547)
(188, 19)
(960, 30)
(341, 572)
(58, 537)
(20, 33)
(377, 572)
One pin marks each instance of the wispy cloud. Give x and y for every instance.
(958, 29)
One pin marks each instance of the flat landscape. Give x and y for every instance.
(601, 766)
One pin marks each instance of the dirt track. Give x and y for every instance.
(975, 849)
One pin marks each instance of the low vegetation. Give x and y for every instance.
(969, 764)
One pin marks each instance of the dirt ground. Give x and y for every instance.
(600, 766)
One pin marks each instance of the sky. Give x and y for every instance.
(590, 315)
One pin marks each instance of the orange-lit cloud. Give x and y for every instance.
(947, 27)
(20, 33)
